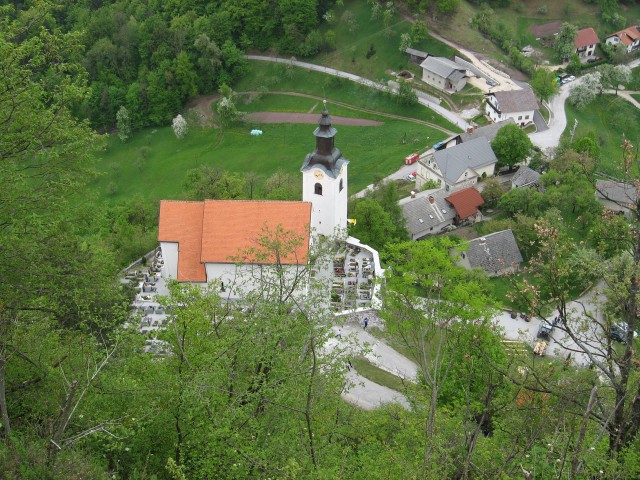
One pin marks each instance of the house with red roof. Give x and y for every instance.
(585, 42)
(466, 203)
(629, 37)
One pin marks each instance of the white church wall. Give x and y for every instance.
(170, 257)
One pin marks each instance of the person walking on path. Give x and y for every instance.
(366, 323)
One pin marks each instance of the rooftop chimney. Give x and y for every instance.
(431, 199)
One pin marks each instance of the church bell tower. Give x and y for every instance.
(324, 181)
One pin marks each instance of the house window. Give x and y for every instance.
(466, 173)
(318, 189)
(527, 117)
(341, 185)
(520, 117)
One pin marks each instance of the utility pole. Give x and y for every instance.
(573, 130)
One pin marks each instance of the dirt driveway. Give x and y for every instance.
(311, 118)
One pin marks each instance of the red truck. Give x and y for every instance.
(411, 159)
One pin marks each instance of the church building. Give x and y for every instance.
(218, 240)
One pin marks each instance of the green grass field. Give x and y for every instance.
(373, 151)
(611, 118)
(377, 375)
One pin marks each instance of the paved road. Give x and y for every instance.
(423, 98)
(550, 138)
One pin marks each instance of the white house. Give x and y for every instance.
(459, 166)
(585, 42)
(443, 74)
(629, 37)
(519, 105)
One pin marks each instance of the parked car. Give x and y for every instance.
(570, 79)
(619, 332)
(411, 177)
(544, 331)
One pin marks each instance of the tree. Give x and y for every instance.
(405, 42)
(526, 201)
(511, 146)
(226, 107)
(123, 122)
(373, 226)
(584, 93)
(405, 94)
(544, 84)
(564, 46)
(612, 76)
(179, 126)
(430, 304)
(213, 183)
(492, 191)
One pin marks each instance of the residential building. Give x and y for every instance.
(629, 37)
(466, 203)
(432, 212)
(443, 74)
(525, 177)
(458, 166)
(519, 105)
(488, 131)
(617, 196)
(496, 254)
(427, 213)
(585, 42)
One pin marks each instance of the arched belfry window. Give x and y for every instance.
(318, 189)
(341, 185)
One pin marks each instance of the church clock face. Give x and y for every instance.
(318, 174)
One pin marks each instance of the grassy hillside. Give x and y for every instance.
(610, 117)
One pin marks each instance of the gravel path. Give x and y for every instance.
(311, 118)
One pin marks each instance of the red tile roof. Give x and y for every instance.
(181, 223)
(215, 231)
(627, 36)
(465, 202)
(586, 37)
(232, 227)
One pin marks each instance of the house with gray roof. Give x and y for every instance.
(617, 196)
(525, 177)
(497, 253)
(443, 74)
(517, 104)
(427, 213)
(459, 166)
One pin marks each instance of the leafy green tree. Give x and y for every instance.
(544, 84)
(226, 107)
(526, 201)
(282, 186)
(563, 46)
(374, 225)
(213, 183)
(511, 146)
(123, 122)
(405, 94)
(429, 303)
(492, 191)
